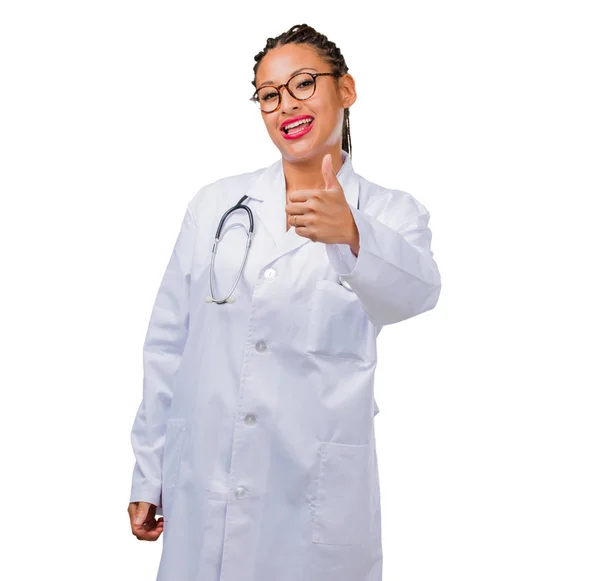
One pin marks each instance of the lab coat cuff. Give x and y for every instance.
(393, 277)
(341, 258)
(146, 494)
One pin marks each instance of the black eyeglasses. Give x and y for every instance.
(301, 86)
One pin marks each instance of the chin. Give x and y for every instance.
(302, 149)
(299, 154)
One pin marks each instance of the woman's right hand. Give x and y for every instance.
(143, 524)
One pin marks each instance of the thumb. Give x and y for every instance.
(331, 181)
(141, 512)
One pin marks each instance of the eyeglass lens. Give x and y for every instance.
(301, 86)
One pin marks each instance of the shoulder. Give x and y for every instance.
(222, 191)
(391, 206)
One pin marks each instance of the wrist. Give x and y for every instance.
(353, 238)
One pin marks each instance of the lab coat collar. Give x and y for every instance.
(270, 189)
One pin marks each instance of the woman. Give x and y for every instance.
(255, 436)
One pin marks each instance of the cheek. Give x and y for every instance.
(272, 128)
(335, 118)
(328, 120)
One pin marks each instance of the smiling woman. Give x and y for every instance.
(320, 87)
(255, 435)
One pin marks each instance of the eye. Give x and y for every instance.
(267, 96)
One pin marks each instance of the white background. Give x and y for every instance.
(114, 114)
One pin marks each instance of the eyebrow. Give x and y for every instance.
(296, 71)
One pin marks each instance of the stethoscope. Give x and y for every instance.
(250, 234)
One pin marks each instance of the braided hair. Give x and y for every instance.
(326, 49)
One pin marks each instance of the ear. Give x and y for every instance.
(347, 90)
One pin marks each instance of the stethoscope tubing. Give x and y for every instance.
(250, 235)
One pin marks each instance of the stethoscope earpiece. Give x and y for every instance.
(230, 299)
(345, 284)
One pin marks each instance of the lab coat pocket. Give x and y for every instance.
(173, 446)
(338, 326)
(344, 502)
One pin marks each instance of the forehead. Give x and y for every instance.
(281, 62)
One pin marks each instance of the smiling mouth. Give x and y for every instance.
(292, 128)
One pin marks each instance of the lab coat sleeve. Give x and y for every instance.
(394, 275)
(343, 258)
(163, 347)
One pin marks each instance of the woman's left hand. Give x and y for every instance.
(323, 215)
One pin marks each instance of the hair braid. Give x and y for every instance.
(327, 50)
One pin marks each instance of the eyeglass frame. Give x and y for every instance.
(278, 89)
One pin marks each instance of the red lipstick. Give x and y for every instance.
(298, 131)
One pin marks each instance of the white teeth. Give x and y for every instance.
(296, 123)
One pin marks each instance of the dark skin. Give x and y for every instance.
(316, 205)
(310, 163)
(144, 525)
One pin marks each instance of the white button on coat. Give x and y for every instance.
(311, 506)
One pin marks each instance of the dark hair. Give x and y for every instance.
(326, 49)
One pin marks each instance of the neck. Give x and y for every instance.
(307, 174)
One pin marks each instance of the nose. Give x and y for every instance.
(287, 101)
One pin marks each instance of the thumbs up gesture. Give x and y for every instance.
(323, 215)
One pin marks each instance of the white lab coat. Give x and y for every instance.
(255, 434)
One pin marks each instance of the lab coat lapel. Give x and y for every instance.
(270, 190)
